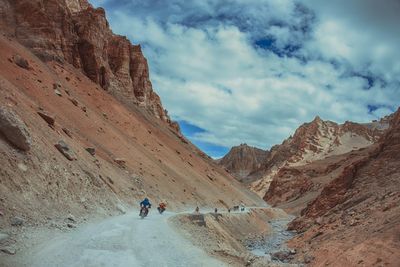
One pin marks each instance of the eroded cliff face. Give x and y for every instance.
(79, 150)
(355, 218)
(242, 160)
(73, 31)
(67, 146)
(316, 141)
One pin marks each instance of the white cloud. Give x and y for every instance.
(208, 71)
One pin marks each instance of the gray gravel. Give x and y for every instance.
(274, 242)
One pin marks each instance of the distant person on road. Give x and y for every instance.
(197, 210)
(215, 210)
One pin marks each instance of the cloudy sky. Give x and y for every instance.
(252, 71)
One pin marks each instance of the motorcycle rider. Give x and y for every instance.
(162, 206)
(145, 205)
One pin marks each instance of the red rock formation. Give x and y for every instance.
(319, 139)
(242, 160)
(289, 184)
(336, 192)
(135, 155)
(356, 215)
(75, 32)
(315, 141)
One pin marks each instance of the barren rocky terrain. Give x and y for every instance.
(355, 219)
(342, 183)
(84, 137)
(242, 160)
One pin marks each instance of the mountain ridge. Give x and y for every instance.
(90, 153)
(312, 141)
(73, 31)
(241, 160)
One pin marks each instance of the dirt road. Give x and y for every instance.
(122, 241)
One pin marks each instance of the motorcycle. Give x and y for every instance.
(160, 210)
(144, 211)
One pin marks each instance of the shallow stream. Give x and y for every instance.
(274, 242)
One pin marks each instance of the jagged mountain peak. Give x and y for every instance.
(77, 5)
(312, 141)
(72, 31)
(242, 160)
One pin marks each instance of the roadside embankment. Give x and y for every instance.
(229, 236)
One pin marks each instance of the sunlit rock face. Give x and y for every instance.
(75, 32)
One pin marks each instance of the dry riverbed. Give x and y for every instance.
(251, 238)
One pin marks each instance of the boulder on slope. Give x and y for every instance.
(14, 129)
(65, 150)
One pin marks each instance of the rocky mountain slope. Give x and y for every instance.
(343, 184)
(67, 144)
(314, 141)
(74, 32)
(242, 160)
(355, 218)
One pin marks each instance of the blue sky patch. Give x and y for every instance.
(190, 130)
(266, 60)
(265, 43)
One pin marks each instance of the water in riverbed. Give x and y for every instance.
(274, 242)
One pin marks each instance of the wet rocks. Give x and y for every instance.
(14, 129)
(17, 221)
(65, 150)
(50, 119)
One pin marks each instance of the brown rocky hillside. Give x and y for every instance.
(242, 160)
(315, 141)
(72, 31)
(355, 218)
(67, 144)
